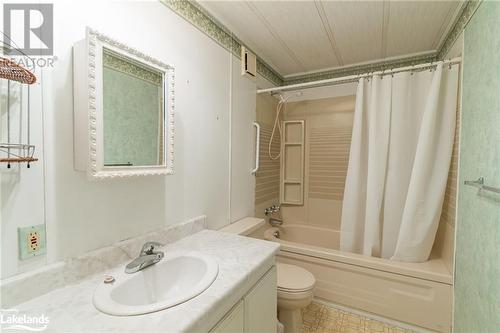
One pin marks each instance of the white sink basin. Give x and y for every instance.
(177, 278)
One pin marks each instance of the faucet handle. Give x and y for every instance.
(273, 209)
(149, 248)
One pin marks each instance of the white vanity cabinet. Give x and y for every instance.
(256, 312)
(261, 305)
(232, 322)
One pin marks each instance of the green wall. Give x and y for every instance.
(477, 275)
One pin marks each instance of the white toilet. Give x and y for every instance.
(295, 292)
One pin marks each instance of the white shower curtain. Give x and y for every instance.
(400, 155)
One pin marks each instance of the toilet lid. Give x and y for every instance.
(294, 278)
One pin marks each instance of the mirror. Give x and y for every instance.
(132, 111)
(123, 110)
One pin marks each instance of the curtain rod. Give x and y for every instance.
(354, 78)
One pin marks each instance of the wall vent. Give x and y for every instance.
(248, 63)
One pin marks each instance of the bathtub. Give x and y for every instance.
(416, 293)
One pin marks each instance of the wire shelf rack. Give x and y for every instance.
(17, 153)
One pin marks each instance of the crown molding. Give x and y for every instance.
(468, 9)
(199, 17)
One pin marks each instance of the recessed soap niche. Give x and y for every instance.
(292, 161)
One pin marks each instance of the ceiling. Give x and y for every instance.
(298, 37)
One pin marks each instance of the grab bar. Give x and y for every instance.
(479, 183)
(257, 147)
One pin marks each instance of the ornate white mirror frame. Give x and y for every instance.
(88, 108)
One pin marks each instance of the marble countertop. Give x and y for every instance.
(242, 261)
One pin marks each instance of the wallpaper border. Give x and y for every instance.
(192, 12)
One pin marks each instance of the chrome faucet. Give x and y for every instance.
(147, 257)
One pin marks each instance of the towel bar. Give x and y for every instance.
(479, 183)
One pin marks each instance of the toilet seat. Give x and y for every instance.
(294, 279)
(295, 290)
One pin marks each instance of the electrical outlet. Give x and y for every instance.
(31, 241)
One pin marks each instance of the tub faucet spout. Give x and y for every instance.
(275, 222)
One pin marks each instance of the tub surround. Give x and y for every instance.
(23, 287)
(242, 261)
(328, 129)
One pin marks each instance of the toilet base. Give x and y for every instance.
(291, 319)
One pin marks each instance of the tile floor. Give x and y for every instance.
(320, 318)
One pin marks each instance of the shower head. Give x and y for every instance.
(273, 93)
(279, 108)
(292, 95)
